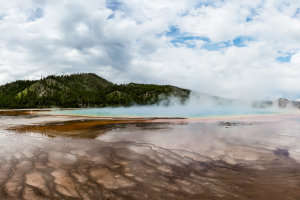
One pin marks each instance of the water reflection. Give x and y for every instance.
(149, 159)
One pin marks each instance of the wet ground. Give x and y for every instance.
(63, 157)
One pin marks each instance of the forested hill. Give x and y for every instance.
(83, 90)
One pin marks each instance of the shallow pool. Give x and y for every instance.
(172, 111)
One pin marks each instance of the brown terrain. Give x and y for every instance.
(64, 157)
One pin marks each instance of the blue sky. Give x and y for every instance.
(285, 58)
(232, 48)
(178, 38)
(36, 14)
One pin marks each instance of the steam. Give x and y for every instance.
(198, 105)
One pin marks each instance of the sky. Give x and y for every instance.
(229, 48)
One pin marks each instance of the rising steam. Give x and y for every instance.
(198, 105)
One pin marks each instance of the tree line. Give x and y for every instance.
(82, 90)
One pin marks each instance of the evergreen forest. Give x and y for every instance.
(83, 90)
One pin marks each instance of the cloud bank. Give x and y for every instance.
(232, 48)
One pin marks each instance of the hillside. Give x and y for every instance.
(83, 90)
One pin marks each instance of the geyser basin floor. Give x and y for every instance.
(239, 158)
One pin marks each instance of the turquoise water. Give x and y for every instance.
(158, 111)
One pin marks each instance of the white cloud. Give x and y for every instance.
(296, 58)
(126, 41)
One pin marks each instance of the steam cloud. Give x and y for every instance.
(198, 105)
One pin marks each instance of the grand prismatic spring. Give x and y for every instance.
(98, 154)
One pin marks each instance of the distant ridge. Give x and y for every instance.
(281, 103)
(219, 101)
(83, 90)
(90, 90)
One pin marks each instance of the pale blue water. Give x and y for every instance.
(158, 111)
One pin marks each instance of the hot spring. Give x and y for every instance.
(160, 111)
